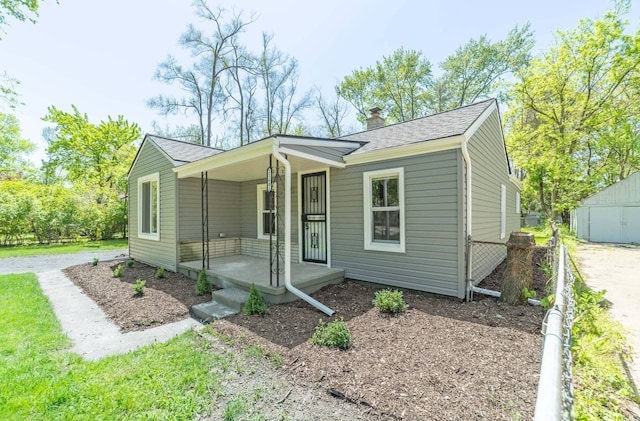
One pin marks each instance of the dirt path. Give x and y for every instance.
(615, 268)
(47, 262)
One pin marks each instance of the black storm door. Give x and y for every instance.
(314, 217)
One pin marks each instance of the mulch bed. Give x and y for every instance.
(164, 301)
(539, 285)
(441, 359)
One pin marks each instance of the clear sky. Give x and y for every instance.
(102, 55)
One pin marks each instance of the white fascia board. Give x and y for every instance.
(318, 142)
(405, 151)
(311, 157)
(480, 120)
(147, 140)
(515, 181)
(224, 159)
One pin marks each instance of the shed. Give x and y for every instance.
(611, 215)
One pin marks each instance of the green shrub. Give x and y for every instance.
(255, 303)
(333, 335)
(160, 273)
(138, 287)
(389, 301)
(117, 272)
(528, 293)
(95, 261)
(130, 263)
(202, 286)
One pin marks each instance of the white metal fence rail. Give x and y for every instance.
(555, 388)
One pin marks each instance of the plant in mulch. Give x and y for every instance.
(202, 285)
(160, 273)
(130, 263)
(255, 303)
(95, 261)
(528, 293)
(390, 301)
(138, 287)
(334, 334)
(117, 272)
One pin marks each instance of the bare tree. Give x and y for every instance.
(332, 113)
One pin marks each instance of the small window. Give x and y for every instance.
(518, 203)
(503, 210)
(384, 210)
(149, 207)
(266, 212)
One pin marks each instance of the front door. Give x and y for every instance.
(314, 217)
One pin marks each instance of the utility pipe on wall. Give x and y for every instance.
(467, 160)
(287, 236)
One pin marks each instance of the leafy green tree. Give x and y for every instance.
(16, 205)
(12, 146)
(21, 10)
(572, 122)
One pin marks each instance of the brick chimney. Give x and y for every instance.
(375, 120)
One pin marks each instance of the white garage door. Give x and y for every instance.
(631, 224)
(605, 224)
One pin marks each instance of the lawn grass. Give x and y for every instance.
(541, 233)
(41, 379)
(37, 249)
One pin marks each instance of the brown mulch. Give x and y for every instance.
(539, 285)
(441, 359)
(164, 300)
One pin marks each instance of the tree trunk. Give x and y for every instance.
(518, 274)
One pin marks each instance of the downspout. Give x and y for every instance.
(467, 161)
(287, 237)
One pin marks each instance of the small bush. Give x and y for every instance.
(528, 293)
(389, 301)
(333, 335)
(130, 263)
(255, 303)
(202, 286)
(160, 273)
(138, 287)
(117, 272)
(95, 261)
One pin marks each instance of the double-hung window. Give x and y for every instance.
(266, 209)
(384, 210)
(149, 207)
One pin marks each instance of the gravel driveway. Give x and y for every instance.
(47, 262)
(615, 268)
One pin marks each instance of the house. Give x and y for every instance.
(392, 205)
(611, 215)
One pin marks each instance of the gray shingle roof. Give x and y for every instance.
(183, 152)
(436, 126)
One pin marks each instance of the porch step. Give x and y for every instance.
(231, 297)
(211, 310)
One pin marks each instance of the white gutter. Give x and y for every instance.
(467, 160)
(497, 294)
(287, 237)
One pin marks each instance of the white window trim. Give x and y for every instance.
(145, 235)
(503, 211)
(518, 208)
(260, 188)
(369, 244)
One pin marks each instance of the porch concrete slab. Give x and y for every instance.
(212, 310)
(93, 335)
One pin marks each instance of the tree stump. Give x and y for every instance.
(518, 274)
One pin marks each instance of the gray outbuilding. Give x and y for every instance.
(611, 215)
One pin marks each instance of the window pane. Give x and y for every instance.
(386, 226)
(267, 223)
(153, 197)
(384, 192)
(145, 222)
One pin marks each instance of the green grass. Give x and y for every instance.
(41, 379)
(601, 386)
(541, 233)
(34, 250)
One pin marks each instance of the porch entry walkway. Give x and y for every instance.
(241, 271)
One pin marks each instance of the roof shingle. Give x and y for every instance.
(183, 152)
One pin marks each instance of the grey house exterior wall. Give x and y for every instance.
(431, 261)
(489, 171)
(163, 252)
(225, 208)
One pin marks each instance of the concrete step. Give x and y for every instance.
(231, 297)
(211, 310)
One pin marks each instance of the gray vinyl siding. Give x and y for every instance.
(224, 209)
(432, 244)
(164, 252)
(489, 170)
(249, 205)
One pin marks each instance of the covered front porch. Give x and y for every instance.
(241, 271)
